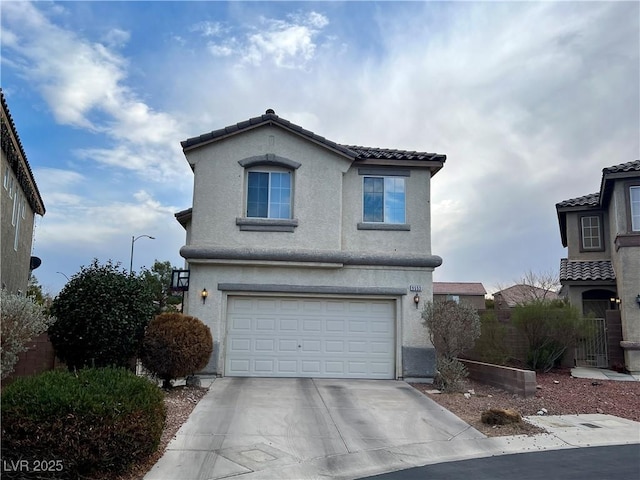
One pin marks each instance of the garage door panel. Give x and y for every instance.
(287, 345)
(290, 337)
(288, 324)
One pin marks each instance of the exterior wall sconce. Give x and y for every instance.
(416, 300)
(638, 299)
(615, 300)
(204, 294)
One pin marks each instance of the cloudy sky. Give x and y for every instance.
(529, 101)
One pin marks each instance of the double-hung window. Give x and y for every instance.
(591, 232)
(269, 195)
(384, 200)
(634, 205)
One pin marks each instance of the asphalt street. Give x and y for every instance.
(615, 462)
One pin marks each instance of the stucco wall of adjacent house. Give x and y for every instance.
(475, 301)
(626, 263)
(574, 237)
(15, 263)
(418, 355)
(219, 191)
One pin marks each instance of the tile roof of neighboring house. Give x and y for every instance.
(596, 200)
(591, 200)
(519, 294)
(12, 147)
(575, 270)
(350, 151)
(633, 166)
(458, 288)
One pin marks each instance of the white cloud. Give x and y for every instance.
(208, 29)
(116, 38)
(287, 43)
(84, 85)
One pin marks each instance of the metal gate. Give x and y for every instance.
(591, 350)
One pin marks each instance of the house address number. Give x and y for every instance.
(415, 288)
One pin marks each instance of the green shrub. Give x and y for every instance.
(21, 320)
(176, 345)
(93, 421)
(491, 346)
(550, 328)
(102, 313)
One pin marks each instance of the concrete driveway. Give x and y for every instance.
(307, 428)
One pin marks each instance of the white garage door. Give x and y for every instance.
(308, 337)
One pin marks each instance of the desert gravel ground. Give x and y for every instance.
(559, 393)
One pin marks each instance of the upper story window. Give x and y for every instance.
(634, 207)
(591, 232)
(269, 194)
(384, 200)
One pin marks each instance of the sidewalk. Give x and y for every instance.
(603, 374)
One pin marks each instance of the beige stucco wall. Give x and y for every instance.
(417, 240)
(219, 196)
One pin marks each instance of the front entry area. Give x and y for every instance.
(310, 337)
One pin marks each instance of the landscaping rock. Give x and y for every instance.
(500, 416)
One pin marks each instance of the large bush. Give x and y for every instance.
(21, 319)
(91, 422)
(102, 313)
(453, 328)
(550, 328)
(176, 345)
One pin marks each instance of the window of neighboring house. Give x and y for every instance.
(634, 204)
(16, 208)
(384, 200)
(269, 194)
(591, 232)
(17, 221)
(453, 298)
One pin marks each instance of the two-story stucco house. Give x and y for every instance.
(20, 202)
(602, 269)
(308, 258)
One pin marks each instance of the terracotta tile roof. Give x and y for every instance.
(458, 288)
(354, 152)
(391, 154)
(574, 270)
(591, 200)
(633, 166)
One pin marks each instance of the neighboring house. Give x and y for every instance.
(602, 269)
(521, 294)
(306, 256)
(20, 203)
(471, 294)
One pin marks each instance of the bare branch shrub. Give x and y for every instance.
(453, 328)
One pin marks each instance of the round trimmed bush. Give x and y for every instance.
(92, 422)
(175, 346)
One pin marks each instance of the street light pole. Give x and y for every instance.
(133, 240)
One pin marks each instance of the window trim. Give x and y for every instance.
(584, 248)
